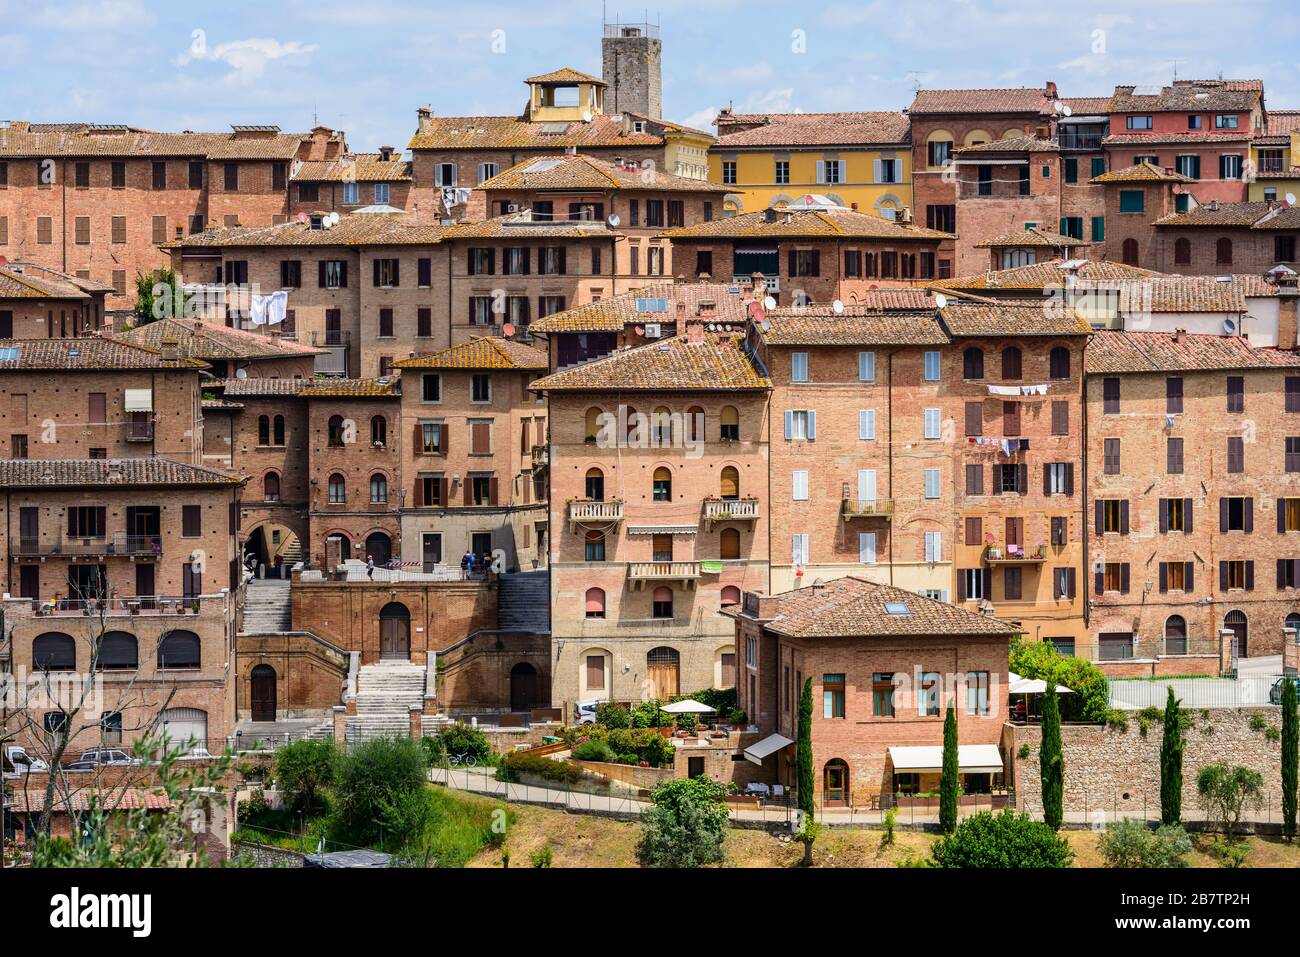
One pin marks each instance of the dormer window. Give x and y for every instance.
(316, 222)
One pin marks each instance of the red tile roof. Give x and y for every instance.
(1143, 172)
(767, 130)
(107, 473)
(795, 223)
(1004, 100)
(586, 173)
(712, 364)
(1237, 96)
(355, 167)
(480, 352)
(1112, 351)
(205, 340)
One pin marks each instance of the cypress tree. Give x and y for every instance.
(1290, 755)
(1171, 765)
(804, 756)
(948, 780)
(1050, 761)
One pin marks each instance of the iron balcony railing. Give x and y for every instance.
(867, 508)
(120, 543)
(663, 571)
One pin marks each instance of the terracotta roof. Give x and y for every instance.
(1141, 173)
(521, 225)
(1287, 217)
(1253, 284)
(1044, 275)
(739, 131)
(1000, 100)
(1217, 214)
(853, 607)
(358, 229)
(856, 326)
(1020, 143)
(480, 353)
(1193, 294)
(1282, 122)
(713, 364)
(255, 386)
(1035, 236)
(964, 318)
(355, 167)
(728, 302)
(22, 280)
(586, 173)
(32, 800)
(797, 223)
(1087, 105)
(896, 297)
(73, 473)
(1112, 351)
(513, 132)
(1237, 96)
(1176, 137)
(91, 352)
(566, 74)
(351, 388)
(22, 140)
(206, 340)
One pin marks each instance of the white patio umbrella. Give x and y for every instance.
(1019, 685)
(688, 706)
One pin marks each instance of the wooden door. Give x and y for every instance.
(836, 791)
(394, 633)
(523, 687)
(263, 696)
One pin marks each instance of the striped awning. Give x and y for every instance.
(662, 529)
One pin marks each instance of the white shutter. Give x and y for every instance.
(931, 483)
(812, 424)
(799, 549)
(789, 425)
(821, 171)
(866, 424)
(934, 546)
(866, 367)
(139, 400)
(867, 548)
(798, 367)
(866, 485)
(799, 485)
(875, 169)
(931, 423)
(932, 367)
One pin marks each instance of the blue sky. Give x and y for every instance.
(366, 67)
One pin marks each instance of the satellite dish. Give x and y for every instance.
(508, 329)
(1290, 199)
(334, 218)
(837, 307)
(586, 116)
(1063, 108)
(1229, 326)
(241, 373)
(640, 330)
(941, 300)
(302, 217)
(3, 260)
(764, 324)
(769, 302)
(614, 220)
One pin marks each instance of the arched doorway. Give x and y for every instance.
(663, 669)
(835, 783)
(523, 687)
(271, 550)
(186, 727)
(1235, 622)
(263, 693)
(379, 547)
(338, 549)
(394, 631)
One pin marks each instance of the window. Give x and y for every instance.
(230, 176)
(1230, 166)
(1225, 121)
(1292, 460)
(1110, 396)
(54, 651)
(985, 185)
(799, 485)
(338, 489)
(974, 530)
(801, 424)
(1137, 122)
(798, 367)
(1284, 249)
(1112, 516)
(1288, 514)
(1238, 575)
(972, 364)
(931, 366)
(882, 694)
(1064, 583)
(833, 696)
(333, 274)
(866, 367)
(1010, 418)
(932, 483)
(1189, 166)
(804, 262)
(942, 218)
(1110, 456)
(932, 423)
(977, 689)
(1236, 514)
(381, 194)
(1176, 576)
(191, 521)
(1288, 573)
(1060, 417)
(1223, 251)
(1072, 226)
(1236, 393)
(1174, 456)
(378, 489)
(729, 424)
(938, 154)
(829, 171)
(594, 547)
(728, 172)
(594, 601)
(867, 548)
(1098, 228)
(663, 603)
(1132, 201)
(480, 388)
(934, 547)
(1059, 478)
(1061, 528)
(1236, 454)
(729, 544)
(386, 273)
(1175, 515)
(928, 695)
(1072, 170)
(972, 584)
(179, 649)
(974, 416)
(271, 487)
(662, 487)
(1113, 577)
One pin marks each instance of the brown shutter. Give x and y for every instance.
(468, 484)
(1250, 575)
(444, 490)
(1164, 576)
(1099, 581)
(1223, 576)
(1069, 478)
(1123, 578)
(417, 443)
(1022, 479)
(1123, 517)
(961, 584)
(1250, 514)
(1100, 513)
(1164, 515)
(1188, 581)
(492, 491)
(1047, 478)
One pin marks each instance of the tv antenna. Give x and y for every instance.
(1175, 63)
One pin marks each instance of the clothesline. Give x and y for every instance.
(1018, 390)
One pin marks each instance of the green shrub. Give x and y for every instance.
(457, 740)
(303, 770)
(523, 762)
(1002, 840)
(721, 700)
(649, 714)
(543, 856)
(372, 778)
(686, 825)
(1130, 843)
(1040, 659)
(456, 826)
(613, 715)
(1227, 791)
(736, 716)
(594, 751)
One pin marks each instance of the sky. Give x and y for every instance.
(366, 67)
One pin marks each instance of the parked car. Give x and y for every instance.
(21, 761)
(100, 758)
(585, 712)
(1275, 692)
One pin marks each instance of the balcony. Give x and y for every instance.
(685, 573)
(584, 512)
(1014, 555)
(150, 606)
(334, 361)
(541, 456)
(882, 508)
(120, 543)
(730, 510)
(1080, 140)
(139, 432)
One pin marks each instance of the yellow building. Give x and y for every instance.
(1276, 156)
(859, 160)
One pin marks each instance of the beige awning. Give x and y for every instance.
(769, 745)
(971, 759)
(139, 400)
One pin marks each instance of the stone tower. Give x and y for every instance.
(632, 58)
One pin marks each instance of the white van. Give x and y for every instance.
(585, 712)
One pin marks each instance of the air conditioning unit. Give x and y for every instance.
(512, 208)
(653, 330)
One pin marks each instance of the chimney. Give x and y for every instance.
(170, 350)
(1043, 132)
(423, 115)
(385, 153)
(694, 330)
(769, 214)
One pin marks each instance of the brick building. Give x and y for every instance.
(229, 353)
(658, 465)
(346, 183)
(885, 665)
(1223, 238)
(1190, 484)
(37, 302)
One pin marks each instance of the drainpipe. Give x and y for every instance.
(1086, 584)
(889, 408)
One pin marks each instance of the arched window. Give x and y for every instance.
(593, 424)
(729, 543)
(1130, 254)
(54, 651)
(186, 726)
(1175, 635)
(730, 595)
(695, 423)
(1235, 621)
(663, 426)
(1011, 366)
(1059, 363)
(336, 431)
(1183, 252)
(378, 431)
(633, 421)
(278, 430)
(1293, 621)
(663, 670)
(118, 651)
(271, 487)
(1223, 252)
(729, 486)
(729, 424)
(179, 649)
(835, 783)
(344, 545)
(338, 489)
(663, 602)
(595, 600)
(972, 363)
(594, 547)
(378, 489)
(595, 487)
(263, 430)
(663, 485)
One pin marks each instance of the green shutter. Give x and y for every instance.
(1071, 170)
(1098, 165)
(1098, 228)
(1132, 201)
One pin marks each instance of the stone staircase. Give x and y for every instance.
(524, 602)
(386, 692)
(267, 607)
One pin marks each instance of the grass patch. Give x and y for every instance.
(460, 827)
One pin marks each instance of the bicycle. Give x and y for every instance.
(462, 760)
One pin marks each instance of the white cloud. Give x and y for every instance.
(702, 119)
(248, 59)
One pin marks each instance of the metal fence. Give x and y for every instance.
(1244, 691)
